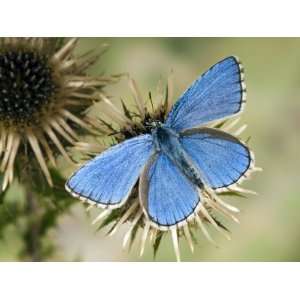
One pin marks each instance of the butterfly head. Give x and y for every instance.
(153, 125)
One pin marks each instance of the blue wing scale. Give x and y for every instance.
(109, 178)
(221, 158)
(217, 94)
(166, 195)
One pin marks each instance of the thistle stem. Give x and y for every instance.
(32, 236)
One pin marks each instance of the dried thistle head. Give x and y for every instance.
(129, 122)
(44, 93)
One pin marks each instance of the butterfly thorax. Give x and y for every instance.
(167, 141)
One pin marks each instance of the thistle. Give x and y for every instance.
(121, 124)
(44, 94)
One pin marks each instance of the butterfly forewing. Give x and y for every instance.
(217, 94)
(109, 178)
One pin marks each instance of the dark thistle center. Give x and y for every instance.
(26, 86)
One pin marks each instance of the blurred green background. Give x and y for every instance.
(270, 222)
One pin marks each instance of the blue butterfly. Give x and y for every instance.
(178, 158)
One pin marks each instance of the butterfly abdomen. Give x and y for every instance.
(167, 141)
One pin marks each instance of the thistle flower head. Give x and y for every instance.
(44, 91)
(127, 122)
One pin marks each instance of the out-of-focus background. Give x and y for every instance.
(270, 222)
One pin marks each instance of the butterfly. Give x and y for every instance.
(179, 158)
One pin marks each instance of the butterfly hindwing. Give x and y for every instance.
(221, 158)
(218, 93)
(109, 178)
(166, 195)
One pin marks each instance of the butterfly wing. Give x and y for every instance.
(218, 93)
(109, 178)
(221, 158)
(166, 195)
